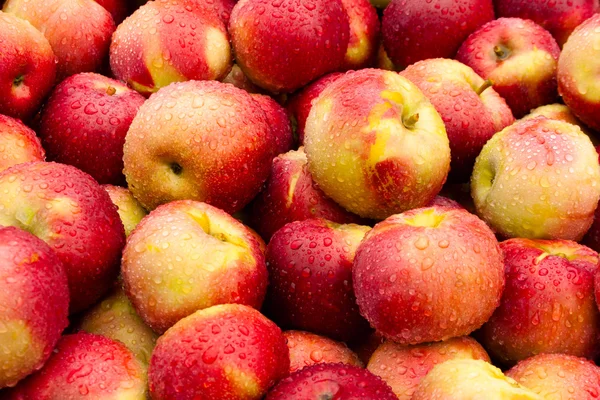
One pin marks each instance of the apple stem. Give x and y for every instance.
(411, 121)
(486, 84)
(111, 90)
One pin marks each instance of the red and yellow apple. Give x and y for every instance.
(18, 143)
(364, 34)
(130, 210)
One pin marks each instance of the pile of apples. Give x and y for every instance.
(299, 199)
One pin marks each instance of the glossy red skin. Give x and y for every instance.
(272, 208)
(526, 323)
(88, 243)
(83, 366)
(592, 237)
(118, 9)
(310, 281)
(18, 143)
(469, 121)
(291, 43)
(364, 23)
(25, 51)
(394, 294)
(190, 360)
(331, 381)
(414, 30)
(33, 289)
(79, 31)
(279, 121)
(559, 17)
(520, 36)
(300, 103)
(220, 8)
(82, 125)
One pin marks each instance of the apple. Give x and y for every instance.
(383, 60)
(73, 214)
(403, 367)
(220, 8)
(34, 298)
(290, 195)
(472, 111)
(310, 278)
(416, 275)
(548, 303)
(592, 236)
(560, 17)
(441, 201)
(414, 30)
(18, 143)
(562, 113)
(281, 46)
(198, 140)
(238, 79)
(84, 123)
(130, 210)
(79, 31)
(169, 41)
(558, 376)
(331, 381)
(186, 256)
(537, 179)
(519, 57)
(308, 349)
(279, 121)
(375, 144)
(118, 9)
(115, 318)
(465, 379)
(364, 34)
(28, 67)
(228, 351)
(577, 82)
(86, 366)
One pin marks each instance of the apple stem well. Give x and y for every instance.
(486, 84)
(501, 52)
(411, 121)
(18, 80)
(111, 90)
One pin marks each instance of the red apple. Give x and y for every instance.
(34, 298)
(27, 67)
(414, 30)
(291, 195)
(84, 123)
(416, 274)
(283, 57)
(18, 143)
(562, 113)
(186, 256)
(548, 303)
(229, 351)
(130, 210)
(472, 111)
(519, 57)
(310, 278)
(71, 212)
(278, 119)
(331, 381)
(118, 9)
(364, 34)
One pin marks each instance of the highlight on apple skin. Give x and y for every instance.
(18, 143)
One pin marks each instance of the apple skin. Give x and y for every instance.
(592, 236)
(238, 79)
(130, 210)
(364, 34)
(79, 31)
(375, 144)
(118, 9)
(198, 140)
(559, 17)
(537, 179)
(577, 83)
(465, 379)
(310, 278)
(291, 195)
(414, 30)
(331, 381)
(284, 56)
(308, 349)
(35, 303)
(562, 113)
(279, 121)
(73, 214)
(168, 41)
(299, 104)
(18, 143)
(519, 57)
(86, 366)
(408, 256)
(548, 302)
(84, 123)
(555, 376)
(115, 318)
(403, 367)
(471, 119)
(213, 259)
(229, 351)
(27, 67)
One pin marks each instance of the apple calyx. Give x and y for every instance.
(411, 121)
(18, 80)
(111, 90)
(502, 53)
(176, 168)
(486, 84)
